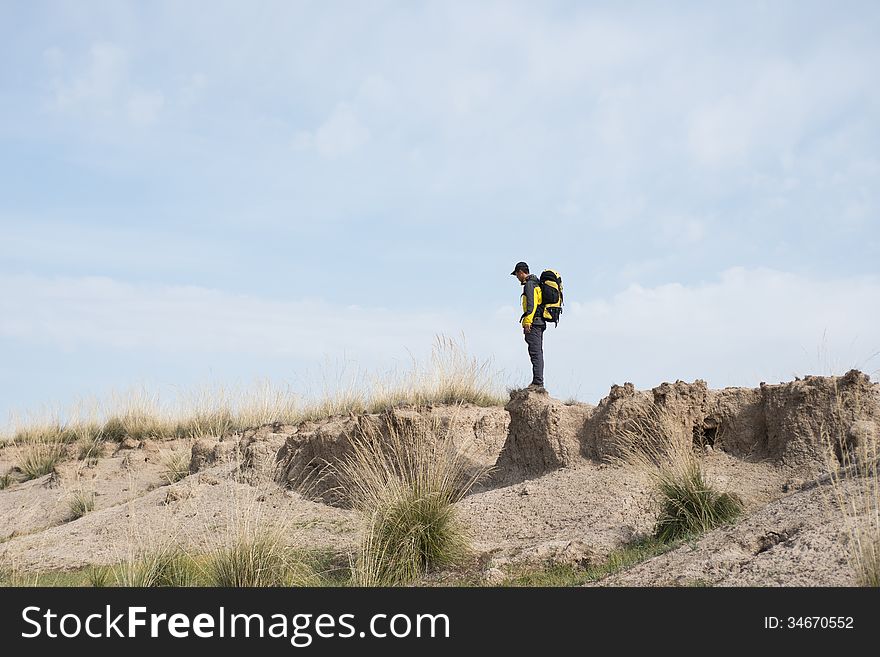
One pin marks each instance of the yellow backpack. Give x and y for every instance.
(551, 295)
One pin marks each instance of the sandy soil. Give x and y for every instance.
(196, 512)
(795, 541)
(573, 515)
(580, 514)
(558, 500)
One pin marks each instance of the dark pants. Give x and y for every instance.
(535, 341)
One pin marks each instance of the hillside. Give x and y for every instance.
(557, 495)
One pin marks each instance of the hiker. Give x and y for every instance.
(533, 323)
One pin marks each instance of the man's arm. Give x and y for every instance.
(531, 305)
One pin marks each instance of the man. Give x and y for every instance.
(533, 323)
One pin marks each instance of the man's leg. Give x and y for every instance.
(535, 341)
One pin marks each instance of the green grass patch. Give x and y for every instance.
(660, 445)
(570, 575)
(690, 506)
(99, 576)
(256, 561)
(260, 564)
(405, 481)
(162, 567)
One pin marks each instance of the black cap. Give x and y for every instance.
(520, 266)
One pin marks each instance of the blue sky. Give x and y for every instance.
(219, 191)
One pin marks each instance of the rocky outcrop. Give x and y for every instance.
(307, 458)
(544, 434)
(804, 416)
(791, 423)
(206, 453)
(252, 451)
(735, 422)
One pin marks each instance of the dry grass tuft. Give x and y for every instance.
(81, 503)
(40, 457)
(655, 443)
(449, 376)
(176, 465)
(405, 485)
(853, 462)
(258, 560)
(164, 566)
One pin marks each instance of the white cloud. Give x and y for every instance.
(144, 107)
(342, 133)
(749, 325)
(193, 90)
(513, 104)
(377, 92)
(99, 84)
(682, 231)
(776, 109)
(103, 87)
(72, 312)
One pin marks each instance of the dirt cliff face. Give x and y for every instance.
(789, 423)
(544, 434)
(534, 433)
(800, 413)
(307, 458)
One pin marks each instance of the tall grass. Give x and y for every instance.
(405, 485)
(44, 426)
(90, 451)
(81, 503)
(164, 566)
(450, 375)
(209, 413)
(175, 465)
(853, 464)
(135, 414)
(179, 568)
(98, 576)
(255, 561)
(40, 457)
(656, 443)
(267, 402)
(152, 556)
(690, 505)
(246, 546)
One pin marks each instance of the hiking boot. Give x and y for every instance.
(534, 387)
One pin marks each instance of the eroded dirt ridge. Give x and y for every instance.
(787, 423)
(554, 492)
(309, 455)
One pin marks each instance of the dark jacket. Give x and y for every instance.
(531, 302)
